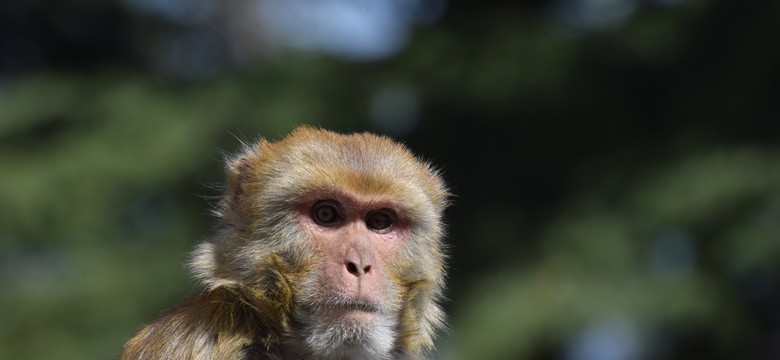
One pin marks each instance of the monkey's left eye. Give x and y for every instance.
(325, 213)
(379, 221)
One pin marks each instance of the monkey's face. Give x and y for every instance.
(351, 296)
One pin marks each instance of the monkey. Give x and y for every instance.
(328, 246)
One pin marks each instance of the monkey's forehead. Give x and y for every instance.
(364, 164)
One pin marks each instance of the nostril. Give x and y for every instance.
(352, 268)
(366, 269)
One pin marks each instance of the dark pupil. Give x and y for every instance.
(379, 221)
(325, 214)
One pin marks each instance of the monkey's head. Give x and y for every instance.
(339, 236)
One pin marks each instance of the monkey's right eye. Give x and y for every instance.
(325, 213)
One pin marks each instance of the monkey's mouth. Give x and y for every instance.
(346, 305)
(349, 309)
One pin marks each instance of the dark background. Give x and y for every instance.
(616, 163)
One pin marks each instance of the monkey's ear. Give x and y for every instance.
(233, 207)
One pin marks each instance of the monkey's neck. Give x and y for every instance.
(244, 310)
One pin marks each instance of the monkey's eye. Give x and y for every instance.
(325, 213)
(379, 220)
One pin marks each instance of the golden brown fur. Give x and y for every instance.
(260, 270)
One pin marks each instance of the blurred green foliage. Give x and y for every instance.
(618, 189)
(636, 257)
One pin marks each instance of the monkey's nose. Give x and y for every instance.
(357, 270)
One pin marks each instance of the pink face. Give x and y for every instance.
(356, 238)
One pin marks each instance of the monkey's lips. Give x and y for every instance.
(353, 309)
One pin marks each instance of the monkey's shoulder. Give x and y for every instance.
(219, 324)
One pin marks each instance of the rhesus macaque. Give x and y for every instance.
(328, 247)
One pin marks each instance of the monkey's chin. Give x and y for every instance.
(345, 332)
